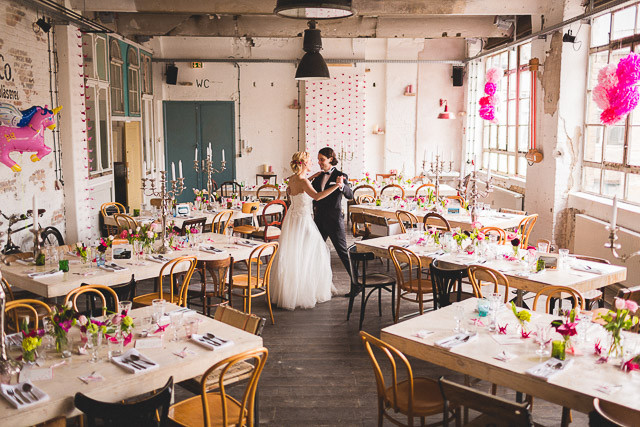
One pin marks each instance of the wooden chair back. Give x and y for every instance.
(148, 411)
(617, 414)
(437, 221)
(109, 208)
(173, 277)
(383, 176)
(359, 228)
(392, 187)
(559, 292)
(419, 178)
(632, 293)
(95, 290)
(444, 282)
(376, 220)
(458, 199)
(479, 274)
(6, 287)
(221, 221)
(124, 222)
(273, 219)
(156, 202)
(255, 272)
(412, 266)
(21, 308)
(248, 322)
(365, 187)
(364, 198)
(264, 188)
(396, 361)
(502, 235)
(501, 412)
(405, 217)
(257, 358)
(426, 187)
(548, 242)
(194, 223)
(228, 188)
(513, 211)
(221, 272)
(525, 227)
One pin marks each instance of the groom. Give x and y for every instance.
(328, 211)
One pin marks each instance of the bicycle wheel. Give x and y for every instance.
(52, 237)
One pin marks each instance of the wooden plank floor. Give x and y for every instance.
(318, 373)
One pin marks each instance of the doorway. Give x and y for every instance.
(191, 124)
(127, 163)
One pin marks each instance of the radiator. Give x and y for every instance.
(590, 237)
(501, 198)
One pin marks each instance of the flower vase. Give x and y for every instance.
(616, 351)
(101, 259)
(29, 356)
(62, 345)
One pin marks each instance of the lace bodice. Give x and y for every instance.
(301, 204)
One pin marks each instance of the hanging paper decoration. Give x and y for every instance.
(616, 93)
(489, 102)
(27, 138)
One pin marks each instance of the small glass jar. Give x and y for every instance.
(558, 349)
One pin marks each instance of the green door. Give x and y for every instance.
(189, 124)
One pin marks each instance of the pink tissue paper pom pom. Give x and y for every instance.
(609, 117)
(628, 70)
(623, 99)
(601, 97)
(484, 101)
(494, 74)
(487, 112)
(490, 88)
(607, 77)
(495, 99)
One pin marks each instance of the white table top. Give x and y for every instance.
(48, 287)
(409, 189)
(573, 388)
(118, 384)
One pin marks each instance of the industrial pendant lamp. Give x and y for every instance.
(314, 9)
(312, 65)
(446, 115)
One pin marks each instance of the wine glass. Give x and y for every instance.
(543, 337)
(96, 342)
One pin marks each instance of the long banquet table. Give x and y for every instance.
(462, 220)
(54, 286)
(119, 384)
(574, 388)
(580, 280)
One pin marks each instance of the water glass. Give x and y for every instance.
(176, 323)
(458, 315)
(543, 247)
(191, 326)
(543, 337)
(229, 233)
(138, 250)
(563, 259)
(96, 343)
(124, 307)
(63, 265)
(116, 345)
(483, 307)
(158, 310)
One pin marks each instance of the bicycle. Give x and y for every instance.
(51, 236)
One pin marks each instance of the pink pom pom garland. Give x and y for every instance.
(488, 103)
(616, 93)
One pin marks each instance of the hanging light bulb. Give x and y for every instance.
(313, 9)
(312, 65)
(445, 114)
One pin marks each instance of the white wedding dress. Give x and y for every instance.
(301, 274)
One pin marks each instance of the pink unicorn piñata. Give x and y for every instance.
(29, 137)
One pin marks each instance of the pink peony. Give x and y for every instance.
(481, 236)
(628, 70)
(150, 234)
(490, 88)
(620, 304)
(124, 234)
(155, 227)
(632, 306)
(511, 236)
(476, 224)
(485, 100)
(494, 99)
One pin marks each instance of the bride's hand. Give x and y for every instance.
(340, 180)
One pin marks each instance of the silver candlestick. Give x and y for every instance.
(611, 244)
(344, 156)
(437, 168)
(208, 169)
(166, 196)
(475, 192)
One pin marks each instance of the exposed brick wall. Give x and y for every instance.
(26, 53)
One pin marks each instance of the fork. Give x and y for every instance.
(12, 393)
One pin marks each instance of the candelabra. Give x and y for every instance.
(37, 244)
(437, 168)
(344, 155)
(208, 169)
(475, 192)
(166, 197)
(611, 244)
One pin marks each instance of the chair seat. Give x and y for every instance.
(271, 232)
(147, 299)
(411, 286)
(427, 398)
(238, 372)
(190, 413)
(244, 229)
(242, 281)
(379, 279)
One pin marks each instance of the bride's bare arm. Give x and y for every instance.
(322, 194)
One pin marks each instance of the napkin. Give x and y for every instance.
(456, 340)
(143, 365)
(211, 343)
(20, 399)
(504, 356)
(26, 261)
(549, 368)
(158, 258)
(211, 249)
(587, 268)
(43, 274)
(113, 267)
(247, 243)
(608, 388)
(92, 377)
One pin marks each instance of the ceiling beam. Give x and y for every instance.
(362, 7)
(137, 24)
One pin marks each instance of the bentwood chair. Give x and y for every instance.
(391, 188)
(361, 282)
(229, 188)
(458, 199)
(108, 209)
(179, 297)
(499, 232)
(513, 211)
(266, 198)
(413, 397)
(367, 190)
(383, 176)
(359, 227)
(97, 291)
(559, 292)
(255, 282)
(196, 224)
(545, 241)
(272, 222)
(222, 221)
(405, 219)
(435, 220)
(149, 411)
(218, 288)
(125, 222)
(525, 227)
(218, 408)
(615, 414)
(495, 410)
(364, 198)
(426, 187)
(447, 284)
(411, 285)
(480, 276)
(27, 311)
(594, 296)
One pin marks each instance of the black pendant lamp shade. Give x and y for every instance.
(312, 65)
(314, 9)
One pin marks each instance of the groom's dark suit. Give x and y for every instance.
(328, 212)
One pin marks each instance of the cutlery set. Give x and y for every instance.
(23, 394)
(549, 368)
(455, 340)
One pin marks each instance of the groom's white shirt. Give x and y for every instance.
(325, 178)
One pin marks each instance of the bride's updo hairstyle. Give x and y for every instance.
(297, 160)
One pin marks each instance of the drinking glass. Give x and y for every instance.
(145, 324)
(583, 325)
(191, 326)
(96, 342)
(176, 322)
(116, 345)
(563, 259)
(543, 337)
(137, 248)
(158, 310)
(124, 307)
(543, 247)
(458, 315)
(229, 233)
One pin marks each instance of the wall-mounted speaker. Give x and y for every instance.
(172, 74)
(457, 75)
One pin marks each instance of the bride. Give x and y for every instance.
(301, 275)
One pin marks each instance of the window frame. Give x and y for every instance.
(146, 71)
(133, 81)
(116, 66)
